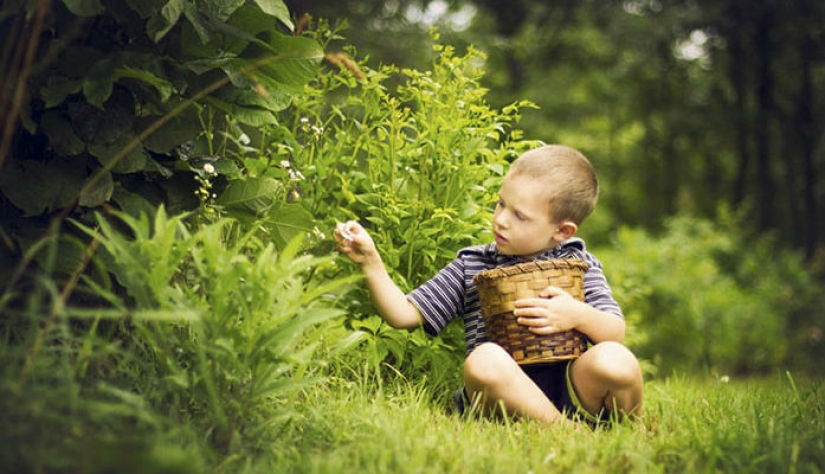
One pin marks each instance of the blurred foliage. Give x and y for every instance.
(703, 296)
(682, 105)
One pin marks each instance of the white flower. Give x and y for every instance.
(209, 168)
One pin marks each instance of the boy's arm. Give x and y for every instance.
(555, 311)
(599, 325)
(390, 301)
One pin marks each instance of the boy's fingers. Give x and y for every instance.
(530, 302)
(343, 231)
(551, 291)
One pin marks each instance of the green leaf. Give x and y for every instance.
(253, 116)
(160, 23)
(289, 221)
(296, 63)
(145, 8)
(111, 155)
(248, 21)
(85, 8)
(221, 9)
(278, 9)
(247, 115)
(58, 88)
(191, 13)
(23, 184)
(178, 130)
(131, 203)
(254, 194)
(61, 134)
(100, 192)
(103, 126)
(97, 87)
(164, 87)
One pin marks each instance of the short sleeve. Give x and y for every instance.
(441, 299)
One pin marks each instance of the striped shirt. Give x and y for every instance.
(451, 293)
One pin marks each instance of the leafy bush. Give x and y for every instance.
(127, 102)
(204, 331)
(704, 295)
(415, 156)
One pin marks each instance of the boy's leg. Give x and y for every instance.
(608, 377)
(492, 374)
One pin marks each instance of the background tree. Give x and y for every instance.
(686, 106)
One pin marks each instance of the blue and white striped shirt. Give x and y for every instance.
(451, 293)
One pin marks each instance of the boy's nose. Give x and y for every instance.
(499, 220)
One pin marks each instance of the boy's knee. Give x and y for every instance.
(487, 363)
(616, 362)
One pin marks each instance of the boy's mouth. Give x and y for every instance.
(500, 239)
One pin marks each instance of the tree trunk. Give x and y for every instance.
(805, 101)
(765, 188)
(738, 66)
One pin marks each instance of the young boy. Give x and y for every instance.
(543, 200)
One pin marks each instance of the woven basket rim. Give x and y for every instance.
(529, 267)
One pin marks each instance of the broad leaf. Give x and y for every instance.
(178, 130)
(297, 60)
(278, 9)
(103, 126)
(145, 8)
(221, 9)
(163, 21)
(194, 17)
(36, 187)
(254, 194)
(85, 8)
(100, 192)
(58, 88)
(116, 158)
(60, 133)
(289, 221)
(164, 87)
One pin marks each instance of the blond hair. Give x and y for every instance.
(570, 179)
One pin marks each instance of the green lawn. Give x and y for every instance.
(766, 425)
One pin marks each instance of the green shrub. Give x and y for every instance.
(416, 157)
(204, 334)
(704, 295)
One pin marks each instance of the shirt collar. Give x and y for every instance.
(568, 248)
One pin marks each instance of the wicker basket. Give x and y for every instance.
(499, 288)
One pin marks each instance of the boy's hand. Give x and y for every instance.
(554, 310)
(354, 241)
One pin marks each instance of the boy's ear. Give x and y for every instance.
(566, 230)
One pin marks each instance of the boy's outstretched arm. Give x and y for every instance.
(393, 305)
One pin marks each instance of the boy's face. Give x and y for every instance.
(521, 223)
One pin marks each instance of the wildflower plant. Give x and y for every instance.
(416, 157)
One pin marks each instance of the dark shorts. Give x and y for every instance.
(554, 381)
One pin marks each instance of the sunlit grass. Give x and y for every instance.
(692, 425)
